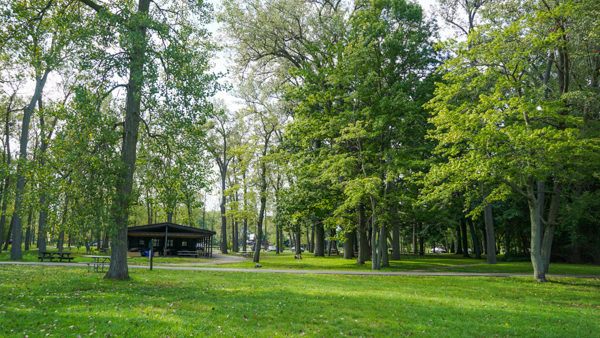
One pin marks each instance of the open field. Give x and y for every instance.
(59, 301)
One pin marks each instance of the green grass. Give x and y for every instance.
(78, 254)
(438, 263)
(286, 261)
(59, 301)
(270, 260)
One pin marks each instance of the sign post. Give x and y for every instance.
(151, 252)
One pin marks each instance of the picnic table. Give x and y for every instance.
(98, 262)
(52, 256)
(187, 253)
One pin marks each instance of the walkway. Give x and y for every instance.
(314, 272)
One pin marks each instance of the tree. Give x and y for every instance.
(503, 115)
(219, 144)
(162, 43)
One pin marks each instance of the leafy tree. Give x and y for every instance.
(503, 115)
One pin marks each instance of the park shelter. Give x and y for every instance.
(170, 238)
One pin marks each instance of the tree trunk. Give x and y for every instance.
(536, 204)
(28, 229)
(546, 249)
(9, 235)
(245, 220)
(349, 244)
(245, 234)
(396, 241)
(277, 240)
(236, 242)
(223, 211)
(414, 239)
(319, 239)
(465, 240)
(490, 237)
(263, 203)
(17, 229)
(383, 248)
(421, 246)
(375, 245)
(137, 58)
(459, 248)
(474, 238)
(311, 242)
(363, 244)
(6, 183)
(297, 238)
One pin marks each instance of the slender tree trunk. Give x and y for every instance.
(245, 234)
(319, 239)
(311, 242)
(474, 238)
(120, 214)
(245, 220)
(17, 229)
(396, 241)
(465, 240)
(546, 249)
(459, 247)
(9, 235)
(6, 183)
(223, 211)
(28, 229)
(263, 203)
(363, 244)
(490, 237)
(349, 244)
(297, 239)
(421, 245)
(277, 247)
(414, 239)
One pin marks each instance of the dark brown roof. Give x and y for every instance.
(172, 227)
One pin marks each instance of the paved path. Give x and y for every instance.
(314, 272)
(216, 259)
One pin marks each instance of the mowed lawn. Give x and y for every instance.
(432, 263)
(286, 261)
(69, 301)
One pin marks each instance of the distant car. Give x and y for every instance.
(294, 249)
(438, 250)
(272, 248)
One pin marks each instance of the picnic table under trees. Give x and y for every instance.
(55, 256)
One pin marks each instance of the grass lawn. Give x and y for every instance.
(68, 301)
(442, 263)
(32, 256)
(270, 260)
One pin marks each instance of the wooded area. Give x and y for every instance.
(361, 126)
